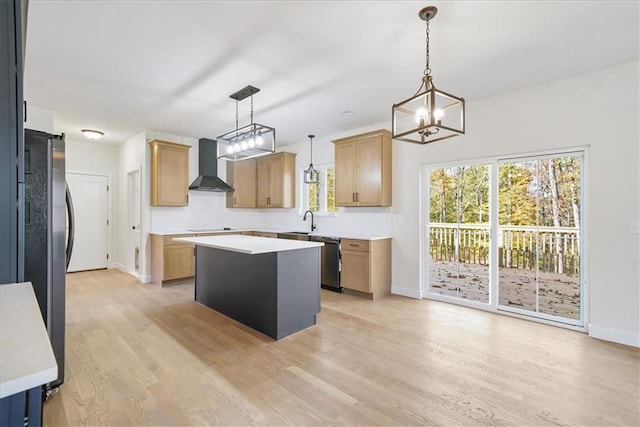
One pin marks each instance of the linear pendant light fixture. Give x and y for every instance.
(431, 114)
(311, 175)
(250, 141)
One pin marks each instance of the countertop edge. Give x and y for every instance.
(22, 367)
(245, 248)
(240, 230)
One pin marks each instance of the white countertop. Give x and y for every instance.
(288, 230)
(249, 244)
(25, 351)
(175, 233)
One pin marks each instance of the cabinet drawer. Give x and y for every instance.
(354, 245)
(168, 240)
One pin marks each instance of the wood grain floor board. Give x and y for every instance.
(143, 355)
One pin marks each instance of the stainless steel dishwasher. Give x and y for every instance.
(329, 262)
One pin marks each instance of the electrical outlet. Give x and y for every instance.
(634, 227)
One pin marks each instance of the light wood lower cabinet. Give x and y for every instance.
(366, 266)
(265, 234)
(171, 260)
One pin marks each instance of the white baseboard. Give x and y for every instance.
(144, 278)
(406, 292)
(117, 266)
(621, 337)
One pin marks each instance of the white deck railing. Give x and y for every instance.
(550, 249)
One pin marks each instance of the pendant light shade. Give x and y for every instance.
(430, 114)
(250, 141)
(311, 175)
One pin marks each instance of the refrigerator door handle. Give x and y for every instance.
(70, 234)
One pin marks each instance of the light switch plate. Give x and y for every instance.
(634, 227)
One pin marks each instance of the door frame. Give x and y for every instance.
(110, 227)
(130, 242)
(494, 161)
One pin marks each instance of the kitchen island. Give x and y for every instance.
(270, 285)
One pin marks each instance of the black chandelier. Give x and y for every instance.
(431, 114)
(249, 141)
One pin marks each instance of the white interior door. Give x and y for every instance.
(90, 205)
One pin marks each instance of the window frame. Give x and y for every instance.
(322, 172)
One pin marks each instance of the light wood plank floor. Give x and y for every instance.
(138, 354)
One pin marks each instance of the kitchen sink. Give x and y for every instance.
(298, 232)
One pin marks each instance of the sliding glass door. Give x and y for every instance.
(539, 237)
(459, 232)
(507, 233)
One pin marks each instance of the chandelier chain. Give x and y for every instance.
(427, 70)
(237, 121)
(251, 109)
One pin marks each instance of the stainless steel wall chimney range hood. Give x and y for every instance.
(207, 179)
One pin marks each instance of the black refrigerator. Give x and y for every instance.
(48, 243)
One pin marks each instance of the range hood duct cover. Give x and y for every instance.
(207, 179)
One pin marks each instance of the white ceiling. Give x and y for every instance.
(170, 66)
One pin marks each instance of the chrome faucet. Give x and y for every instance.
(304, 218)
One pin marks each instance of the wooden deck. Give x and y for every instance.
(139, 355)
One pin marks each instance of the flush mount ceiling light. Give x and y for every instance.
(92, 134)
(249, 141)
(431, 114)
(311, 174)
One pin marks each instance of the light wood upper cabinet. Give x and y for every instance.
(276, 180)
(363, 169)
(242, 176)
(169, 173)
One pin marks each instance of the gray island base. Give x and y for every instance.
(276, 292)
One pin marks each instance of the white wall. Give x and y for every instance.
(131, 156)
(39, 119)
(599, 110)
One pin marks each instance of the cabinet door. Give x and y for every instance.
(263, 172)
(276, 176)
(369, 171)
(179, 261)
(346, 164)
(170, 174)
(242, 177)
(355, 271)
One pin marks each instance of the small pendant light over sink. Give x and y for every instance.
(311, 174)
(431, 114)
